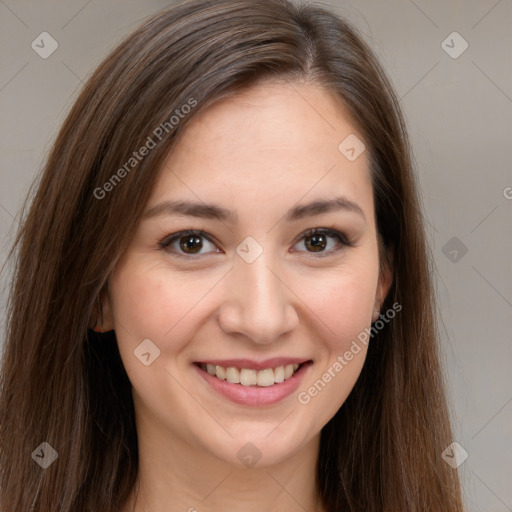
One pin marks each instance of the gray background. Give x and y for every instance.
(459, 112)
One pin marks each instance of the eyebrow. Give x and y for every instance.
(212, 211)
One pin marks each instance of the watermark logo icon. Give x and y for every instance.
(249, 455)
(146, 352)
(351, 147)
(249, 250)
(454, 45)
(44, 45)
(45, 455)
(454, 249)
(454, 455)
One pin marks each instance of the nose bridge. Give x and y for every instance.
(260, 302)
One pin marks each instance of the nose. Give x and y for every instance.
(258, 302)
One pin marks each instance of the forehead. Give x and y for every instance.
(272, 140)
(273, 116)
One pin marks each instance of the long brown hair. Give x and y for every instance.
(65, 386)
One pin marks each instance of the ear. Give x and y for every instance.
(385, 281)
(102, 320)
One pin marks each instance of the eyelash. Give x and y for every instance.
(341, 238)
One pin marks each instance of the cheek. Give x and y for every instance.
(145, 305)
(343, 303)
(344, 309)
(146, 302)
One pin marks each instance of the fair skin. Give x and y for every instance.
(259, 154)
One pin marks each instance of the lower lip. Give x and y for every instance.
(255, 395)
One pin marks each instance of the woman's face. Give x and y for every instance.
(251, 290)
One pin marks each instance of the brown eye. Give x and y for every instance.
(188, 242)
(316, 242)
(191, 244)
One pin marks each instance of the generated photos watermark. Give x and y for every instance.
(305, 397)
(151, 142)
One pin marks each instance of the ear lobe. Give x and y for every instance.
(385, 281)
(103, 321)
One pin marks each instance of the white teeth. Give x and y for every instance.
(249, 377)
(220, 372)
(265, 377)
(279, 374)
(288, 371)
(233, 375)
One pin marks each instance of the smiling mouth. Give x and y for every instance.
(250, 377)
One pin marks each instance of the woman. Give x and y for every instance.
(222, 295)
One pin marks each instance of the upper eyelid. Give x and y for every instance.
(187, 232)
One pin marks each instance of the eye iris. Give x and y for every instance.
(317, 240)
(191, 242)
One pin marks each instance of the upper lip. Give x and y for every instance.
(255, 365)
